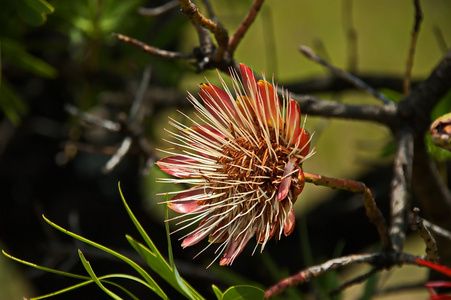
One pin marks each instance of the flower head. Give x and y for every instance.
(244, 159)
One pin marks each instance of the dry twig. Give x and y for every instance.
(346, 76)
(156, 11)
(221, 35)
(244, 26)
(372, 211)
(152, 50)
(431, 245)
(413, 43)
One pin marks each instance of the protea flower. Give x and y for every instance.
(244, 159)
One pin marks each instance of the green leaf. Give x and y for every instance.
(153, 285)
(44, 268)
(33, 12)
(243, 292)
(159, 265)
(188, 290)
(90, 271)
(11, 104)
(154, 258)
(138, 226)
(15, 53)
(217, 292)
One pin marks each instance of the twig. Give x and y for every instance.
(156, 11)
(431, 245)
(152, 50)
(351, 34)
(337, 84)
(133, 116)
(92, 119)
(440, 39)
(357, 280)
(413, 43)
(437, 229)
(244, 26)
(418, 105)
(354, 80)
(210, 11)
(220, 33)
(206, 47)
(433, 195)
(400, 188)
(380, 260)
(314, 106)
(372, 211)
(118, 156)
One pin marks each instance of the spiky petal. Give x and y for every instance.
(244, 159)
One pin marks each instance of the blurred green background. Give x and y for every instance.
(64, 52)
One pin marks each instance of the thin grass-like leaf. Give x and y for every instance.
(138, 226)
(90, 271)
(166, 273)
(190, 292)
(154, 258)
(153, 285)
(72, 275)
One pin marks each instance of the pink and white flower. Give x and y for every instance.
(243, 159)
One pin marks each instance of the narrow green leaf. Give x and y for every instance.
(154, 258)
(138, 226)
(40, 6)
(160, 266)
(217, 292)
(44, 268)
(11, 104)
(90, 271)
(189, 291)
(20, 58)
(244, 292)
(130, 262)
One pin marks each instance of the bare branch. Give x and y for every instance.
(317, 107)
(431, 245)
(156, 11)
(413, 43)
(153, 50)
(400, 189)
(372, 211)
(357, 280)
(418, 105)
(92, 119)
(220, 33)
(346, 76)
(244, 26)
(380, 260)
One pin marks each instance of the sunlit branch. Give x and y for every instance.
(244, 26)
(372, 211)
(380, 260)
(220, 33)
(153, 50)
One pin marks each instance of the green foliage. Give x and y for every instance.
(166, 270)
(33, 12)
